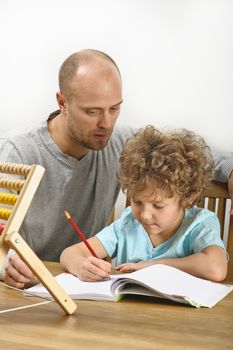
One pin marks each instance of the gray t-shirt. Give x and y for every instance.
(87, 188)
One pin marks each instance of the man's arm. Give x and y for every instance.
(15, 272)
(223, 170)
(230, 187)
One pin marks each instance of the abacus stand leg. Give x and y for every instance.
(15, 241)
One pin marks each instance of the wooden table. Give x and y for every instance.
(134, 323)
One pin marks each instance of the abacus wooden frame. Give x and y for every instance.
(10, 237)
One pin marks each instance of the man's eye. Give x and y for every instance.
(115, 108)
(92, 111)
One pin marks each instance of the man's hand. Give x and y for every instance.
(1, 228)
(17, 273)
(230, 187)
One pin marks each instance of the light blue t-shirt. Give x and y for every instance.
(127, 241)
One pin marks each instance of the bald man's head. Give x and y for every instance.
(73, 63)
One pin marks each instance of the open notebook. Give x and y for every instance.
(160, 281)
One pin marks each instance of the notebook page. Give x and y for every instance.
(78, 289)
(171, 281)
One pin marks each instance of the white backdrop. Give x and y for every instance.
(176, 59)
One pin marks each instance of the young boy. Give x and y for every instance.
(164, 175)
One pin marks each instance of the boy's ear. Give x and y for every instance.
(194, 199)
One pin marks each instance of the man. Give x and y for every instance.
(80, 152)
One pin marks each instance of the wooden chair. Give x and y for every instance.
(215, 199)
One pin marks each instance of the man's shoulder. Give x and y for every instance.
(117, 141)
(19, 135)
(22, 145)
(125, 130)
(122, 133)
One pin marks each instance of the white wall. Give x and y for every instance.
(176, 59)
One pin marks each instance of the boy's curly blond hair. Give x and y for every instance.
(177, 162)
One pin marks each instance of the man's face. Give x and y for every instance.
(93, 107)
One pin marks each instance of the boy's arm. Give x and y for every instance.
(210, 264)
(78, 260)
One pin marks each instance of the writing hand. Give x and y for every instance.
(94, 269)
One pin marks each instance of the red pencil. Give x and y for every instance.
(79, 232)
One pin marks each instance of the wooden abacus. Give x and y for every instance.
(25, 189)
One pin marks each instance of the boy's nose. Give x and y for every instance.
(146, 215)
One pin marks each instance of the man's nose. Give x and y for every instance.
(105, 121)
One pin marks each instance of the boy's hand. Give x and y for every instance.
(93, 269)
(17, 273)
(130, 267)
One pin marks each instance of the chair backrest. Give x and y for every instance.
(215, 199)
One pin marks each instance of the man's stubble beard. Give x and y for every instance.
(95, 146)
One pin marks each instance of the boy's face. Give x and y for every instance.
(160, 215)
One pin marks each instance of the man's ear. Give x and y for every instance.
(61, 101)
